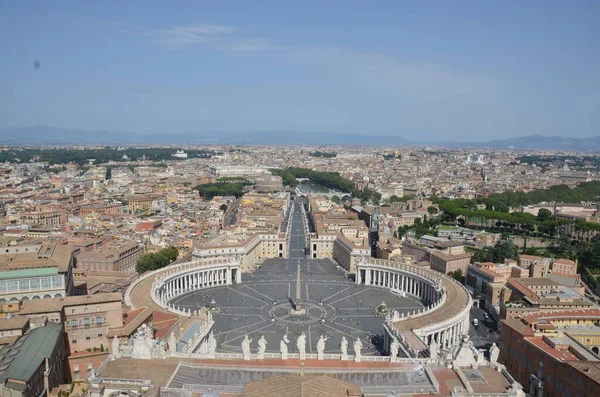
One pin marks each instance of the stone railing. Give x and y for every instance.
(296, 356)
(174, 270)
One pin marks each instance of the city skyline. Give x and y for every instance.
(466, 72)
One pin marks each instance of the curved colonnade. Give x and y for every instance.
(444, 319)
(175, 280)
(446, 315)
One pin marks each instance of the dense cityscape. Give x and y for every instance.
(155, 268)
(299, 198)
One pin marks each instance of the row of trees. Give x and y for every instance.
(331, 180)
(156, 260)
(318, 153)
(223, 188)
(66, 156)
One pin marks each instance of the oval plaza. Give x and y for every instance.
(380, 303)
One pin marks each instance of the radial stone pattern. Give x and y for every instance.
(333, 306)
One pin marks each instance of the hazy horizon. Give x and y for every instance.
(464, 71)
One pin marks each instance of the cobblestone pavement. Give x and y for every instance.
(335, 307)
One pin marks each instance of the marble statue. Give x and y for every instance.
(301, 345)
(494, 353)
(172, 343)
(246, 347)
(212, 345)
(344, 348)
(283, 347)
(357, 347)
(158, 350)
(433, 349)
(394, 348)
(115, 347)
(142, 346)
(321, 348)
(262, 347)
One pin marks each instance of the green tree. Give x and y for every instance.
(543, 215)
(432, 210)
(505, 249)
(457, 275)
(223, 207)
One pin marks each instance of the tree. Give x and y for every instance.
(457, 275)
(335, 199)
(504, 250)
(223, 207)
(543, 215)
(432, 210)
(156, 260)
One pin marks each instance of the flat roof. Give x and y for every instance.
(24, 273)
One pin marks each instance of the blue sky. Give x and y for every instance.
(435, 70)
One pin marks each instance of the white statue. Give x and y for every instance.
(246, 347)
(494, 353)
(344, 348)
(433, 349)
(283, 347)
(115, 347)
(357, 346)
(262, 346)
(301, 345)
(394, 348)
(142, 346)
(321, 348)
(212, 345)
(172, 343)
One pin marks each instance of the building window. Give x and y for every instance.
(87, 321)
(72, 311)
(98, 319)
(74, 322)
(75, 367)
(85, 309)
(97, 308)
(87, 338)
(99, 335)
(89, 366)
(73, 341)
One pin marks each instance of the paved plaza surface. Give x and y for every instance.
(261, 305)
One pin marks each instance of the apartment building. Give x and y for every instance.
(120, 256)
(339, 235)
(554, 354)
(42, 218)
(529, 295)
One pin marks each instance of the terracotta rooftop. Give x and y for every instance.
(561, 355)
(35, 306)
(549, 316)
(587, 368)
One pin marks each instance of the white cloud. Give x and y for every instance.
(179, 36)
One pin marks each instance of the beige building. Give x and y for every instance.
(35, 271)
(121, 256)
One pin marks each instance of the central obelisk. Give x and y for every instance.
(297, 310)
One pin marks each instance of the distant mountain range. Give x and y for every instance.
(42, 135)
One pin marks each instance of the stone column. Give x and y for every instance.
(358, 275)
(367, 276)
